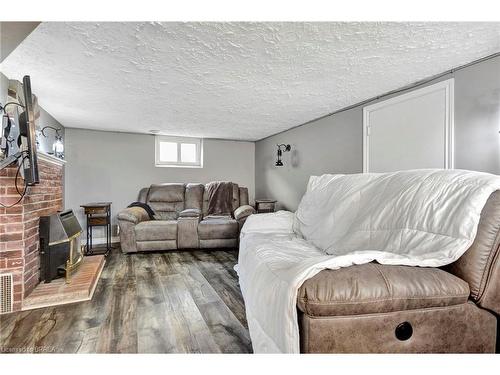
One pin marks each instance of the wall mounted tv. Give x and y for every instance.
(25, 152)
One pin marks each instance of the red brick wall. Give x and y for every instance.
(19, 224)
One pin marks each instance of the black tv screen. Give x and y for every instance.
(27, 129)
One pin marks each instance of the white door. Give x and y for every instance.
(410, 131)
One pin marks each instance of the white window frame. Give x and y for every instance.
(179, 140)
(448, 87)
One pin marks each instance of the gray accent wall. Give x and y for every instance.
(334, 143)
(112, 166)
(477, 117)
(329, 145)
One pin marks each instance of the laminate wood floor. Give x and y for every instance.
(164, 302)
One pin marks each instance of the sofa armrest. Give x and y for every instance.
(190, 212)
(133, 215)
(243, 212)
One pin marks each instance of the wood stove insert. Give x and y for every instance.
(60, 249)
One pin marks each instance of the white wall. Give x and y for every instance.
(111, 166)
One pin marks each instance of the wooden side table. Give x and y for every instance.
(265, 205)
(98, 215)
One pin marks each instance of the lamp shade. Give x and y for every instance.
(58, 146)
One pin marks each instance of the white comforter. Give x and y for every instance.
(417, 218)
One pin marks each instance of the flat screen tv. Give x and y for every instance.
(27, 153)
(27, 130)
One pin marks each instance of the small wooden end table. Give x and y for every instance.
(265, 205)
(98, 215)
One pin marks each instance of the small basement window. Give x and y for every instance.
(178, 152)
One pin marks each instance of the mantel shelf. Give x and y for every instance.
(50, 158)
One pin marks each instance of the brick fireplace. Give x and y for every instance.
(19, 241)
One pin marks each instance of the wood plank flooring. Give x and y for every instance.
(163, 302)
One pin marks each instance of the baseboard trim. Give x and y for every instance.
(102, 240)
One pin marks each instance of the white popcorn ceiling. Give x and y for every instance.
(231, 80)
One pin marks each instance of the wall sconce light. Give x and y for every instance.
(58, 145)
(282, 148)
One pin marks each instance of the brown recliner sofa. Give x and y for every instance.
(182, 220)
(374, 308)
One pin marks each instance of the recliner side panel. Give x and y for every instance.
(463, 328)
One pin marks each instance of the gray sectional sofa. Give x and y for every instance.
(181, 220)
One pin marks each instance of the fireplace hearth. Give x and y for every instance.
(60, 249)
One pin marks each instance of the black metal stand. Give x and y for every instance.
(98, 215)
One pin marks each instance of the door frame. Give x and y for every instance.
(447, 85)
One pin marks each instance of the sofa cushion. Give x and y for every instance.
(164, 198)
(156, 230)
(166, 193)
(194, 196)
(374, 288)
(217, 227)
(143, 195)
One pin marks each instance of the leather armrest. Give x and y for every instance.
(190, 212)
(134, 215)
(243, 212)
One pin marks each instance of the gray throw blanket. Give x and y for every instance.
(220, 198)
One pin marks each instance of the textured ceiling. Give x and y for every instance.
(231, 80)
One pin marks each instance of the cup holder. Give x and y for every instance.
(404, 331)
